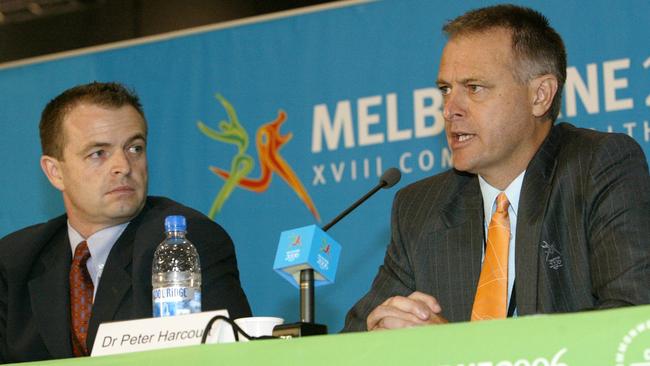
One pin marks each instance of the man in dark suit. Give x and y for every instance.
(94, 151)
(535, 217)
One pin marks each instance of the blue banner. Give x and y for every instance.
(321, 103)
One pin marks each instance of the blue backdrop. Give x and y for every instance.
(331, 98)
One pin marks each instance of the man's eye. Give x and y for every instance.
(136, 149)
(97, 154)
(444, 89)
(475, 88)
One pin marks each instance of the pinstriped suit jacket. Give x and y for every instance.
(583, 232)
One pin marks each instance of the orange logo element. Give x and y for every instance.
(268, 141)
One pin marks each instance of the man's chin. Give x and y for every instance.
(458, 165)
(463, 167)
(126, 209)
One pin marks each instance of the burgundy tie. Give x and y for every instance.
(81, 299)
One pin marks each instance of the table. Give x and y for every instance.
(608, 337)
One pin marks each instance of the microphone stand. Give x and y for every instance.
(306, 326)
(307, 296)
(307, 314)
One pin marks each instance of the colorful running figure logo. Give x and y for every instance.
(325, 247)
(268, 142)
(294, 240)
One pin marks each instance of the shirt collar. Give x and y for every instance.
(490, 194)
(99, 243)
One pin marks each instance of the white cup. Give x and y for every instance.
(257, 326)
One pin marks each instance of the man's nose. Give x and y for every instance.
(455, 105)
(120, 163)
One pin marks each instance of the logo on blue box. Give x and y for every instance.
(307, 247)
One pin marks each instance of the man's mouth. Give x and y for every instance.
(460, 137)
(464, 137)
(121, 189)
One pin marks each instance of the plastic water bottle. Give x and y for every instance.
(176, 272)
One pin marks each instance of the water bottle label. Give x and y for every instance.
(176, 300)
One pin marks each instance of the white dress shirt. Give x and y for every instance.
(99, 245)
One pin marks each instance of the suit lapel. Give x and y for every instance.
(115, 283)
(533, 204)
(50, 298)
(462, 217)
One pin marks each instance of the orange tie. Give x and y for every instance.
(492, 291)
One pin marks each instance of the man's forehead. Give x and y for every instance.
(93, 122)
(478, 50)
(489, 32)
(85, 113)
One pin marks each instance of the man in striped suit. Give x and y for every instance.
(536, 216)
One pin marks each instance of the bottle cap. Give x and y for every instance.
(175, 223)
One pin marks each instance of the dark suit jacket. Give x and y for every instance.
(583, 232)
(34, 286)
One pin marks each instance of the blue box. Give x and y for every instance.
(304, 248)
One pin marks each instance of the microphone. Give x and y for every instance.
(308, 256)
(390, 177)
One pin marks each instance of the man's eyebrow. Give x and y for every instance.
(471, 80)
(97, 144)
(93, 145)
(463, 81)
(137, 136)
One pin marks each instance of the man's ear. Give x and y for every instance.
(543, 90)
(52, 169)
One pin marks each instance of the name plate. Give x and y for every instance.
(156, 333)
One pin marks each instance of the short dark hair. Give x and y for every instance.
(112, 95)
(538, 48)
